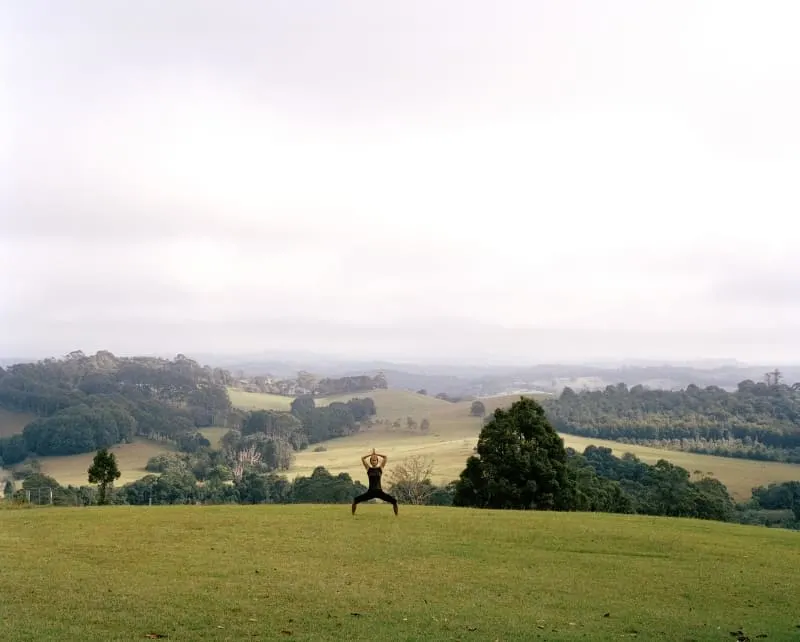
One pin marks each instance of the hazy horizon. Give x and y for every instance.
(529, 182)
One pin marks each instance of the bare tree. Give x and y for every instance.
(410, 480)
(244, 457)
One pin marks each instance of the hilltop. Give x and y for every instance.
(307, 573)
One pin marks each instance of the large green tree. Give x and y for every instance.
(103, 472)
(521, 463)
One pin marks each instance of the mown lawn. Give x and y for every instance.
(316, 573)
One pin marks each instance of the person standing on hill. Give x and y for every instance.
(374, 473)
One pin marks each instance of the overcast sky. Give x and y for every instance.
(519, 181)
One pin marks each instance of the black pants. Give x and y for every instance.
(375, 493)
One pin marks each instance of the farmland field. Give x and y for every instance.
(302, 572)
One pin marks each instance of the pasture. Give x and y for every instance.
(258, 400)
(131, 459)
(303, 572)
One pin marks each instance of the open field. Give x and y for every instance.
(258, 400)
(390, 403)
(12, 423)
(293, 572)
(131, 459)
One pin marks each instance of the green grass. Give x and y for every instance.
(316, 573)
(12, 423)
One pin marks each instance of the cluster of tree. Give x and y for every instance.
(347, 385)
(478, 409)
(337, 419)
(452, 398)
(84, 403)
(757, 421)
(177, 484)
(521, 463)
(773, 505)
(188, 482)
(410, 424)
(265, 440)
(306, 383)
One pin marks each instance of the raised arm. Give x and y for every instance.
(385, 459)
(364, 461)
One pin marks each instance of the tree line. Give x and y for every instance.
(756, 421)
(521, 463)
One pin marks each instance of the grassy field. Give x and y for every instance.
(131, 459)
(258, 401)
(12, 423)
(305, 573)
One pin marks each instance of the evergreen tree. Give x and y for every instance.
(104, 472)
(521, 464)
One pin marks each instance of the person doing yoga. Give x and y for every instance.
(374, 472)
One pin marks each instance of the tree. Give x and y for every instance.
(425, 425)
(521, 463)
(104, 472)
(8, 489)
(410, 480)
(477, 409)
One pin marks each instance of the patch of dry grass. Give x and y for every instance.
(131, 459)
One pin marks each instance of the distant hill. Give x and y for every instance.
(84, 402)
(477, 380)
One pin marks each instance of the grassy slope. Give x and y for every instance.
(454, 433)
(258, 401)
(306, 573)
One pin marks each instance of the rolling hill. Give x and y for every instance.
(449, 442)
(453, 435)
